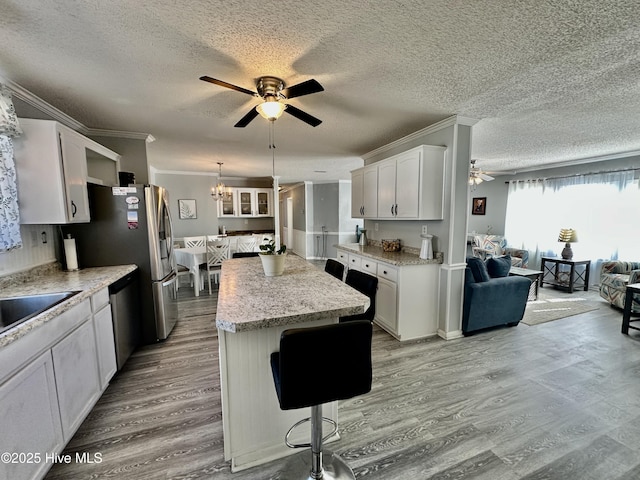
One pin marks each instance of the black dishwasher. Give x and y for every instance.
(124, 297)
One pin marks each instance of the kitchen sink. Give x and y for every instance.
(16, 310)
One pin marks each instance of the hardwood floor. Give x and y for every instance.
(560, 400)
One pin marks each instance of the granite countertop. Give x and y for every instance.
(87, 281)
(394, 258)
(248, 300)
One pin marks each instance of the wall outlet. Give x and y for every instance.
(375, 227)
(424, 229)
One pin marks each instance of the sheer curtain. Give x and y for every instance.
(601, 207)
(9, 214)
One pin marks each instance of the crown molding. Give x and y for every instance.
(574, 162)
(59, 116)
(442, 124)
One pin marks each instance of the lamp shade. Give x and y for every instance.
(568, 235)
(271, 110)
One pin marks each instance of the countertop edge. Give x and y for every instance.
(401, 258)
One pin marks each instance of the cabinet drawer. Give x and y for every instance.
(369, 266)
(99, 299)
(343, 257)
(388, 272)
(355, 261)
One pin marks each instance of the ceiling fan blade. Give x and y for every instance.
(228, 85)
(485, 177)
(244, 121)
(304, 88)
(304, 116)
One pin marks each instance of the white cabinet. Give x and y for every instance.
(407, 295)
(51, 166)
(30, 402)
(247, 202)
(364, 192)
(105, 344)
(76, 372)
(411, 184)
(386, 302)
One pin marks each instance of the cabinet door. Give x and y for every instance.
(263, 203)
(357, 193)
(227, 206)
(74, 164)
(370, 192)
(31, 421)
(386, 305)
(408, 185)
(105, 345)
(386, 189)
(76, 370)
(245, 203)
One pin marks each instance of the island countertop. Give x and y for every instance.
(248, 300)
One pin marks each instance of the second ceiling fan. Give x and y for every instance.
(274, 92)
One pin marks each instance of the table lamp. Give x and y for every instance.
(568, 236)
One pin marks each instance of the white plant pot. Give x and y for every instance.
(273, 265)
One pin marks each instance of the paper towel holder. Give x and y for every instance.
(70, 253)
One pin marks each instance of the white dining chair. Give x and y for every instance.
(199, 241)
(246, 243)
(217, 252)
(182, 270)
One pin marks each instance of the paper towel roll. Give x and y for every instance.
(70, 253)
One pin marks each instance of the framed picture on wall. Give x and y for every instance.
(479, 206)
(187, 209)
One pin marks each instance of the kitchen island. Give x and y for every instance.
(253, 310)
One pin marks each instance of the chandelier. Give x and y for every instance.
(220, 192)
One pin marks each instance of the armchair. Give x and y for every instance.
(487, 246)
(614, 278)
(491, 301)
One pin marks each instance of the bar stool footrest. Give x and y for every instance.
(307, 445)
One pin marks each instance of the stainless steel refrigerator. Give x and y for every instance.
(133, 225)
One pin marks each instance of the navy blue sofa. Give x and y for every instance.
(491, 297)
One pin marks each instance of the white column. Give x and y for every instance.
(276, 208)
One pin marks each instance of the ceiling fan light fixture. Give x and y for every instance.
(271, 109)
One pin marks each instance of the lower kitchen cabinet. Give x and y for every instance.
(105, 346)
(76, 371)
(30, 401)
(407, 296)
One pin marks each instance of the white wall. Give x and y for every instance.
(34, 252)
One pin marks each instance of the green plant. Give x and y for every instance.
(270, 248)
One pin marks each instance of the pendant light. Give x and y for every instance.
(220, 192)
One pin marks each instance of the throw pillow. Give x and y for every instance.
(499, 266)
(478, 268)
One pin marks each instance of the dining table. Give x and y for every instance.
(192, 258)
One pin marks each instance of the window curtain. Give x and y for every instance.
(601, 207)
(9, 214)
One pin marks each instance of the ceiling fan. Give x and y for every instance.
(273, 91)
(477, 176)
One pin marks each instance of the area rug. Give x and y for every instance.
(549, 309)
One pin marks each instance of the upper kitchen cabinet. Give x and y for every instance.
(411, 184)
(364, 192)
(247, 202)
(52, 165)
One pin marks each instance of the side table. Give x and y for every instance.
(532, 275)
(554, 275)
(628, 300)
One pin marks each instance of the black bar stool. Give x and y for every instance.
(366, 284)
(335, 268)
(303, 378)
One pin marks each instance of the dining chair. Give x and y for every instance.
(246, 244)
(199, 241)
(217, 252)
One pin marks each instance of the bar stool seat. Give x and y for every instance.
(306, 377)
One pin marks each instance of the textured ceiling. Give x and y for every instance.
(549, 81)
